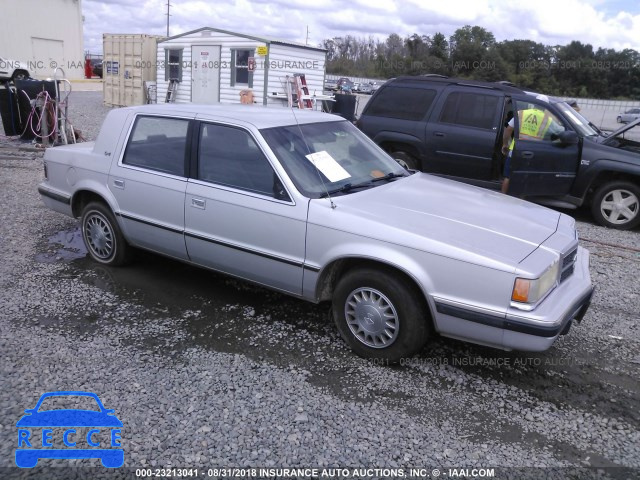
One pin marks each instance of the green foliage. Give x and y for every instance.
(473, 52)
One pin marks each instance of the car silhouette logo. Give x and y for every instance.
(97, 421)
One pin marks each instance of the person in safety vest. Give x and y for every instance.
(534, 125)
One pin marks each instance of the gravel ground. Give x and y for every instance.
(207, 372)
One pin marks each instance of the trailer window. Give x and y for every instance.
(240, 73)
(173, 65)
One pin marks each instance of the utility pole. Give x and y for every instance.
(168, 15)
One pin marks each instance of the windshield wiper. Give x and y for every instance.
(389, 176)
(347, 187)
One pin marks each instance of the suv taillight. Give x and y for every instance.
(46, 174)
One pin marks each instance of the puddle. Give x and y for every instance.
(64, 246)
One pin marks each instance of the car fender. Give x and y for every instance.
(97, 188)
(588, 177)
(319, 283)
(439, 278)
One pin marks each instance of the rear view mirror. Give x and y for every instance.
(568, 137)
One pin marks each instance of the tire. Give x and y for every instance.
(405, 160)
(102, 236)
(360, 299)
(619, 119)
(20, 75)
(617, 205)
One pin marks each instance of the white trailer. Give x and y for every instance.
(209, 65)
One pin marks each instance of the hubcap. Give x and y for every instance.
(372, 318)
(402, 163)
(99, 236)
(619, 206)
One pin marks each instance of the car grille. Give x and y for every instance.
(568, 264)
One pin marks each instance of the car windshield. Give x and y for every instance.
(581, 124)
(69, 402)
(330, 156)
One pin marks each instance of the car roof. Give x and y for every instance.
(506, 87)
(441, 79)
(257, 115)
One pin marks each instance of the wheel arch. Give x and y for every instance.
(606, 176)
(82, 197)
(391, 146)
(330, 275)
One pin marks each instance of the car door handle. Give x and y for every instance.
(118, 183)
(198, 203)
(438, 134)
(527, 154)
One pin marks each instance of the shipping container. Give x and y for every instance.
(128, 62)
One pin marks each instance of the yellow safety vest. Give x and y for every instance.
(534, 123)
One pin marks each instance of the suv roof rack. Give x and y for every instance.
(434, 75)
(467, 82)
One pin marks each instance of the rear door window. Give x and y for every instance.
(402, 103)
(470, 109)
(158, 143)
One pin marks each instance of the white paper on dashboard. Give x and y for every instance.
(328, 166)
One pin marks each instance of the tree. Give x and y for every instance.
(469, 47)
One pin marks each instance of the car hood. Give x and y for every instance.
(623, 129)
(449, 218)
(69, 418)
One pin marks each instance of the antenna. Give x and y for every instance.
(333, 205)
(307, 42)
(168, 15)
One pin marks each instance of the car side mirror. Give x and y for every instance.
(562, 139)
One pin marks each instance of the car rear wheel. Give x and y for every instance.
(380, 314)
(617, 205)
(102, 236)
(405, 160)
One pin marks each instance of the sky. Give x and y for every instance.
(609, 24)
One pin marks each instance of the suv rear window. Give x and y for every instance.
(470, 109)
(402, 103)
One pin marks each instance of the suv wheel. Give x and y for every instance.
(405, 160)
(380, 315)
(102, 236)
(617, 205)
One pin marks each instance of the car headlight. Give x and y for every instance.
(527, 292)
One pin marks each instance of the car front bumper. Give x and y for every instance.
(538, 329)
(534, 330)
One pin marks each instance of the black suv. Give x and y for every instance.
(454, 128)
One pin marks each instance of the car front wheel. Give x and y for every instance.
(102, 236)
(380, 314)
(617, 205)
(405, 160)
(619, 119)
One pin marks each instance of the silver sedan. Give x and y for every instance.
(304, 203)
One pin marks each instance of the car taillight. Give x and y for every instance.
(46, 174)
